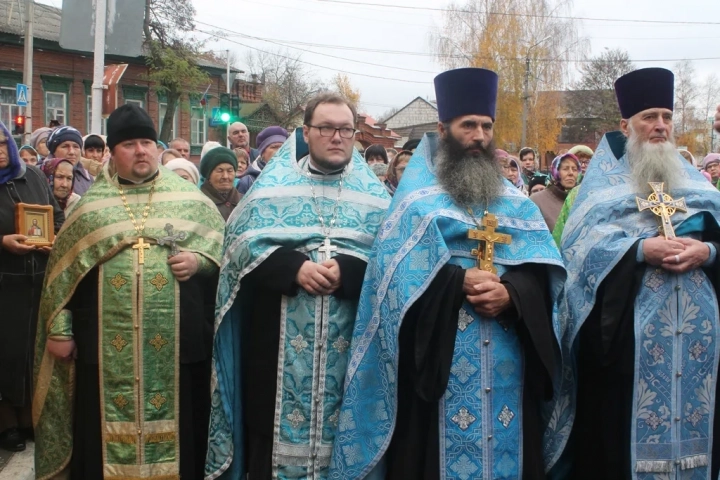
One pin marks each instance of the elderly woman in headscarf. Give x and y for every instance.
(396, 169)
(29, 155)
(511, 169)
(22, 269)
(564, 173)
(60, 175)
(38, 141)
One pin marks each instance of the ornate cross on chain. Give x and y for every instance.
(326, 250)
(171, 239)
(141, 246)
(487, 237)
(662, 205)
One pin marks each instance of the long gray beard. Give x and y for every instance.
(653, 162)
(470, 180)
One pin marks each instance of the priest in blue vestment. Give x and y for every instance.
(296, 250)
(640, 246)
(455, 349)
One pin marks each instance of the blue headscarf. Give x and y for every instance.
(14, 167)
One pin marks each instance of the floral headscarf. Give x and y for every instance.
(49, 168)
(555, 167)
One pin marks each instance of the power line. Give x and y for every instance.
(512, 14)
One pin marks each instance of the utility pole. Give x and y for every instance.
(526, 93)
(526, 97)
(227, 85)
(99, 66)
(28, 65)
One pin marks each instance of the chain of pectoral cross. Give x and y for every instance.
(327, 247)
(140, 244)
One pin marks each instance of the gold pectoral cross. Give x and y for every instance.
(141, 246)
(487, 237)
(662, 205)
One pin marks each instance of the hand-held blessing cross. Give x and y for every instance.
(487, 237)
(662, 205)
(171, 239)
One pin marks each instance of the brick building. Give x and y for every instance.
(371, 132)
(62, 81)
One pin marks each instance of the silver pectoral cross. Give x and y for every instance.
(171, 239)
(326, 250)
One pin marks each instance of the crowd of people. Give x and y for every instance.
(302, 309)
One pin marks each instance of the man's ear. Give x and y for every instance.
(625, 127)
(441, 130)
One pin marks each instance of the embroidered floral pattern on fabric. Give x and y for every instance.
(463, 419)
(653, 421)
(335, 418)
(464, 468)
(657, 352)
(118, 281)
(697, 277)
(464, 320)
(506, 416)
(696, 350)
(119, 343)
(299, 344)
(655, 281)
(341, 345)
(463, 369)
(158, 342)
(695, 418)
(158, 401)
(159, 282)
(121, 401)
(296, 418)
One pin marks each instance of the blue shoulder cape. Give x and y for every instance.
(604, 223)
(278, 211)
(423, 231)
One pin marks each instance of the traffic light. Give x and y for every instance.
(19, 125)
(225, 107)
(235, 107)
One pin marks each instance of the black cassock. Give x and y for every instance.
(264, 288)
(197, 313)
(427, 342)
(599, 445)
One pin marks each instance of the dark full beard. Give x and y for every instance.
(470, 179)
(653, 162)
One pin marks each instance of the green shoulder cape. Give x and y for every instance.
(97, 229)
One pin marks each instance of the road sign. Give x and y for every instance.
(124, 27)
(21, 95)
(215, 120)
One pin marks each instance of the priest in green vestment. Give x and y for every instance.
(122, 369)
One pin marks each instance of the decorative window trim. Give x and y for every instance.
(9, 78)
(135, 92)
(192, 132)
(56, 84)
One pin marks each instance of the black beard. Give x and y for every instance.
(471, 178)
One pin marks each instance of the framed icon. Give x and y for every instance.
(36, 223)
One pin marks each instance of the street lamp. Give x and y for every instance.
(526, 95)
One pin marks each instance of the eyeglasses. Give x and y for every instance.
(345, 132)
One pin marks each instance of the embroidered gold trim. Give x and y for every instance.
(119, 343)
(118, 281)
(157, 477)
(121, 401)
(159, 282)
(158, 401)
(160, 437)
(118, 438)
(158, 342)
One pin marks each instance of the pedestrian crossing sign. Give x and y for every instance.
(22, 95)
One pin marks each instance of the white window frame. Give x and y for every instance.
(13, 109)
(195, 123)
(54, 115)
(161, 116)
(139, 103)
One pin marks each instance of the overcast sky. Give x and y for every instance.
(382, 28)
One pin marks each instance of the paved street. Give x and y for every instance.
(20, 466)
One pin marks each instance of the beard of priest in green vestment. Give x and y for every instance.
(118, 394)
